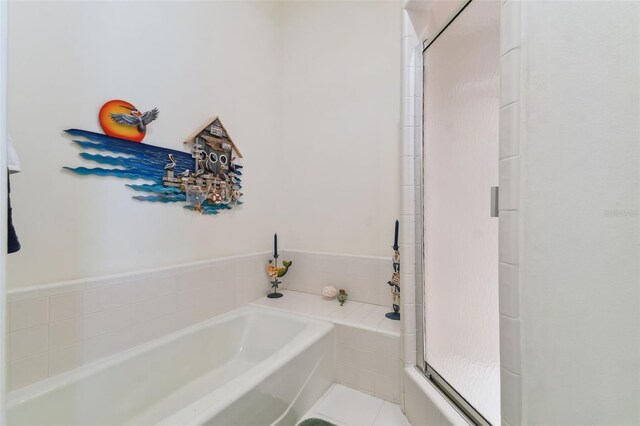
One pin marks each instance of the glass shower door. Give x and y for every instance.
(461, 104)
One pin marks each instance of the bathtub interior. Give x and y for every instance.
(131, 390)
(286, 394)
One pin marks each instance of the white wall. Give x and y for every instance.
(579, 270)
(192, 60)
(308, 90)
(339, 152)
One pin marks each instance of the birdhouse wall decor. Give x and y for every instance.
(206, 180)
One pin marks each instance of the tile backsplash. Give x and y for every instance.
(369, 361)
(364, 277)
(56, 327)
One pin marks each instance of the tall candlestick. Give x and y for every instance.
(275, 245)
(395, 237)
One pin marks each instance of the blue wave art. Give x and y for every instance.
(137, 160)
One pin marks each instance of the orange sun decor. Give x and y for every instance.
(120, 119)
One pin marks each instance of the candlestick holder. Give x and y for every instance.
(274, 273)
(394, 283)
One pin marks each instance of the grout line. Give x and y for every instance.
(515, 374)
(509, 51)
(510, 317)
(510, 157)
(379, 411)
(508, 104)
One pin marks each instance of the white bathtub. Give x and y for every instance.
(248, 367)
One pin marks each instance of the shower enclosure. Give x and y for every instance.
(457, 217)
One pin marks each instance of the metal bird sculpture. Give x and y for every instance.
(136, 118)
(172, 164)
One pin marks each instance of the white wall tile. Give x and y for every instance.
(510, 130)
(65, 333)
(510, 26)
(124, 293)
(408, 144)
(387, 345)
(365, 380)
(408, 82)
(96, 348)
(29, 313)
(367, 359)
(155, 307)
(509, 293)
(408, 202)
(387, 366)
(363, 277)
(29, 342)
(97, 299)
(20, 294)
(386, 388)
(510, 77)
(28, 370)
(345, 374)
(65, 306)
(511, 401)
(408, 112)
(64, 359)
(47, 290)
(408, 48)
(510, 344)
(508, 250)
(510, 356)
(95, 324)
(80, 321)
(407, 291)
(156, 327)
(407, 229)
(409, 321)
(120, 318)
(408, 177)
(124, 339)
(409, 343)
(509, 184)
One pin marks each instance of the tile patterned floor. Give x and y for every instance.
(344, 406)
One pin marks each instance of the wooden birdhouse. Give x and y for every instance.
(212, 148)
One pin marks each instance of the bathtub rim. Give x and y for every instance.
(19, 396)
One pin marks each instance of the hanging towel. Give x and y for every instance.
(13, 165)
(13, 162)
(12, 237)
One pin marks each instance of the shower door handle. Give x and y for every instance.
(495, 197)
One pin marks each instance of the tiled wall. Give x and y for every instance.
(54, 328)
(369, 361)
(364, 277)
(411, 166)
(509, 257)
(367, 344)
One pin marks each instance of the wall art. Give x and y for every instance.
(207, 179)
